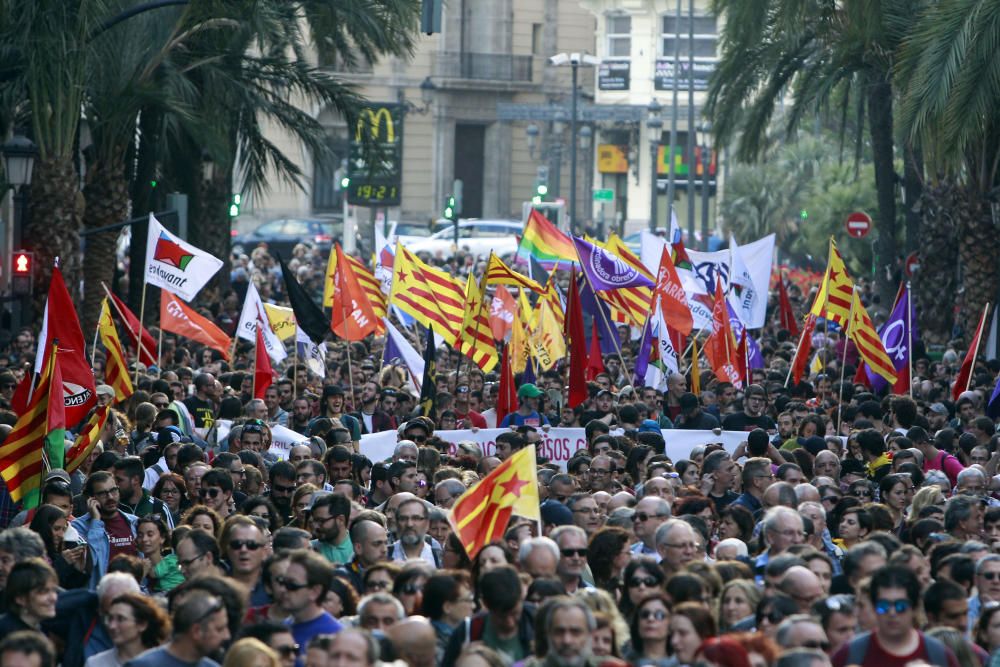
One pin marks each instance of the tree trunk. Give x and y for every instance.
(211, 225)
(106, 192)
(52, 229)
(913, 168)
(880, 127)
(978, 250)
(937, 277)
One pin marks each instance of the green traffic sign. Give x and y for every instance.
(605, 194)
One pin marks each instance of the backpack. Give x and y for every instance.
(937, 653)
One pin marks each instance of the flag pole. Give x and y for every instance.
(140, 348)
(604, 318)
(802, 336)
(253, 367)
(159, 347)
(295, 369)
(843, 360)
(93, 349)
(138, 333)
(979, 339)
(909, 335)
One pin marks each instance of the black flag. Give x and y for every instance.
(428, 389)
(309, 317)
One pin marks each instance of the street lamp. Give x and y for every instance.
(18, 160)
(574, 60)
(427, 91)
(654, 124)
(532, 132)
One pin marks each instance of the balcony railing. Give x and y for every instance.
(484, 66)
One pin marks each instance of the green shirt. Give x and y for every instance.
(337, 554)
(167, 574)
(510, 649)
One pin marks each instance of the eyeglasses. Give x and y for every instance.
(416, 438)
(291, 586)
(569, 553)
(658, 615)
(643, 517)
(831, 499)
(683, 545)
(882, 607)
(320, 520)
(289, 651)
(277, 488)
(789, 533)
(210, 492)
(170, 490)
(236, 545)
(813, 643)
(411, 589)
(113, 491)
(648, 582)
(241, 472)
(187, 563)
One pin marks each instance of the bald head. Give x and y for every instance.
(414, 639)
(806, 492)
(621, 499)
(801, 585)
(780, 493)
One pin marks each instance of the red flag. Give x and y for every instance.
(720, 348)
(147, 354)
(741, 358)
(507, 393)
(595, 364)
(352, 317)
(59, 323)
(263, 375)
(670, 293)
(965, 374)
(785, 308)
(801, 358)
(861, 377)
(179, 318)
(503, 309)
(573, 329)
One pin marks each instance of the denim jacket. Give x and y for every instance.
(92, 530)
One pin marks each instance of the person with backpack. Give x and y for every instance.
(896, 642)
(934, 458)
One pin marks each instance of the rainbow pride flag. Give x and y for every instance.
(550, 247)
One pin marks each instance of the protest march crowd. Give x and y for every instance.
(608, 486)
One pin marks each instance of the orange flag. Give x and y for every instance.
(179, 318)
(720, 348)
(353, 317)
(503, 310)
(482, 513)
(670, 292)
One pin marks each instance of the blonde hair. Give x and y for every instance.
(245, 650)
(747, 587)
(925, 497)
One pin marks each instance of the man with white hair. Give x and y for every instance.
(539, 557)
(820, 539)
(406, 450)
(782, 527)
(572, 543)
(569, 628)
(109, 587)
(677, 544)
(801, 631)
(649, 515)
(731, 548)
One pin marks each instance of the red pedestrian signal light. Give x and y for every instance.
(22, 263)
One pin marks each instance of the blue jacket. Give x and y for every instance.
(92, 530)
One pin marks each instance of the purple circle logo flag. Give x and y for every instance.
(611, 269)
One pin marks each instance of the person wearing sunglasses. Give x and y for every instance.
(245, 548)
(278, 636)
(650, 513)
(650, 630)
(896, 641)
(301, 591)
(216, 491)
(802, 631)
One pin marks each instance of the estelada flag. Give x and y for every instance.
(482, 513)
(115, 366)
(174, 264)
(352, 316)
(59, 323)
(669, 292)
(179, 318)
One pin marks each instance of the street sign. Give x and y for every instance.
(375, 165)
(604, 194)
(912, 264)
(858, 224)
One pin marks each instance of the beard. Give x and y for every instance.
(553, 659)
(410, 539)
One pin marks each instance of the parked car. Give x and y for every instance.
(284, 234)
(478, 237)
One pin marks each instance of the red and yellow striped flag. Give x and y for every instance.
(476, 341)
(481, 514)
(89, 435)
(870, 347)
(21, 462)
(430, 295)
(498, 273)
(629, 305)
(116, 369)
(833, 300)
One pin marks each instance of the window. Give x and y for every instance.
(706, 37)
(536, 39)
(619, 28)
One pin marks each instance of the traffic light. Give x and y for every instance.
(541, 185)
(449, 208)
(22, 268)
(234, 206)
(804, 214)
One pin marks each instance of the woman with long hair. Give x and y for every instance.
(738, 602)
(201, 517)
(262, 507)
(650, 631)
(301, 500)
(690, 625)
(50, 523)
(736, 521)
(152, 538)
(250, 652)
(608, 554)
(135, 624)
(893, 491)
(641, 578)
(722, 652)
(987, 633)
(172, 490)
(855, 524)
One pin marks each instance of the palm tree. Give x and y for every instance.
(950, 98)
(816, 52)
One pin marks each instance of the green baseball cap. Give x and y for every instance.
(529, 391)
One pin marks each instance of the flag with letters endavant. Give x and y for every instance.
(482, 513)
(174, 264)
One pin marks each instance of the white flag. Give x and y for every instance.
(743, 293)
(312, 354)
(175, 264)
(253, 312)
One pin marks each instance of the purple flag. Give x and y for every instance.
(993, 407)
(605, 270)
(897, 338)
(642, 359)
(600, 313)
(755, 357)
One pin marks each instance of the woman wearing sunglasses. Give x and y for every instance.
(650, 632)
(642, 577)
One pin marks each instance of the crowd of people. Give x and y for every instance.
(846, 528)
